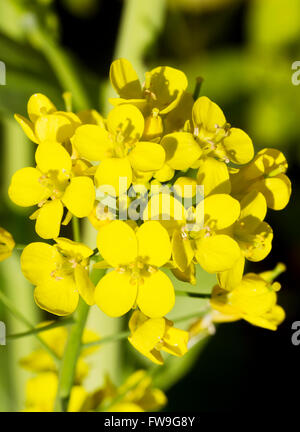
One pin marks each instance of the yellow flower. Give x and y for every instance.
(136, 280)
(59, 273)
(51, 185)
(265, 174)
(151, 335)
(253, 299)
(40, 360)
(119, 149)
(163, 88)
(139, 394)
(197, 233)
(45, 123)
(41, 393)
(216, 137)
(253, 235)
(7, 244)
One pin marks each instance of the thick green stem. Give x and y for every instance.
(76, 229)
(69, 362)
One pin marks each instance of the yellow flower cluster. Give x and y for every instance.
(135, 395)
(147, 160)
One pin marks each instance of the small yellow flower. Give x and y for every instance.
(198, 233)
(59, 273)
(7, 244)
(253, 299)
(51, 185)
(253, 235)
(119, 149)
(139, 394)
(163, 88)
(136, 280)
(151, 335)
(265, 174)
(45, 123)
(216, 137)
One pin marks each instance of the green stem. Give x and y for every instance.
(111, 338)
(69, 362)
(20, 246)
(37, 330)
(17, 314)
(76, 229)
(199, 81)
(73, 347)
(193, 294)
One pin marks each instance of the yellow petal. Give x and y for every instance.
(70, 247)
(230, 279)
(55, 128)
(269, 320)
(7, 244)
(49, 219)
(220, 211)
(164, 174)
(181, 150)
(92, 142)
(26, 189)
(28, 127)
(175, 341)
(124, 79)
(277, 191)
(188, 275)
(39, 105)
(154, 245)
(117, 243)
(259, 243)
(148, 335)
(127, 122)
(182, 251)
(57, 295)
(38, 361)
(217, 253)
(115, 295)
(167, 85)
(207, 115)
(79, 196)
(38, 261)
(156, 295)
(214, 176)
(41, 391)
(253, 207)
(239, 146)
(53, 158)
(147, 156)
(185, 187)
(253, 296)
(165, 208)
(84, 285)
(110, 173)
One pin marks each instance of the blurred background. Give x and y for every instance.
(244, 50)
